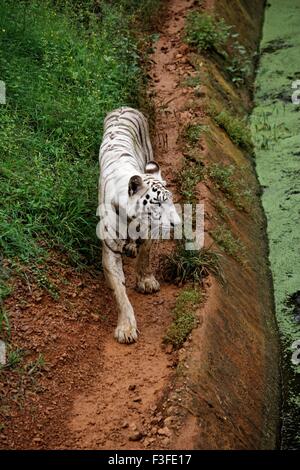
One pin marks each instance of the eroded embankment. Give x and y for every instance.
(226, 389)
(275, 127)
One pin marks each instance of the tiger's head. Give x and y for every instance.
(150, 203)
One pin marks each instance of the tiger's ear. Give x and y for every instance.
(134, 185)
(152, 168)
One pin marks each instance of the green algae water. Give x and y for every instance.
(275, 124)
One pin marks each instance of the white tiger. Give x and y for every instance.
(132, 198)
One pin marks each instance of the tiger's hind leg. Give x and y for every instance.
(126, 331)
(145, 280)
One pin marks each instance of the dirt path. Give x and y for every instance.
(96, 393)
(123, 403)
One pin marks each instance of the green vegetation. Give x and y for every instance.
(223, 210)
(14, 358)
(224, 238)
(192, 133)
(205, 32)
(65, 65)
(275, 126)
(184, 265)
(236, 128)
(189, 176)
(232, 185)
(193, 81)
(238, 63)
(42, 279)
(36, 366)
(4, 323)
(223, 177)
(184, 319)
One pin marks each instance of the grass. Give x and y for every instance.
(227, 180)
(188, 177)
(193, 81)
(42, 279)
(205, 32)
(231, 245)
(14, 358)
(65, 65)
(187, 265)
(237, 129)
(5, 330)
(222, 209)
(193, 132)
(184, 319)
(14, 354)
(223, 177)
(36, 366)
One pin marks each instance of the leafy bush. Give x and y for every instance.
(206, 32)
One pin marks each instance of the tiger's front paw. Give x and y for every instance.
(126, 331)
(131, 249)
(147, 285)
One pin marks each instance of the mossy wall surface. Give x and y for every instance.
(275, 127)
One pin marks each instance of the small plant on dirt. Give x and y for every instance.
(192, 133)
(36, 366)
(4, 323)
(205, 32)
(14, 358)
(187, 265)
(223, 177)
(5, 290)
(239, 69)
(189, 176)
(184, 319)
(192, 82)
(224, 238)
(236, 128)
(44, 282)
(238, 62)
(222, 209)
